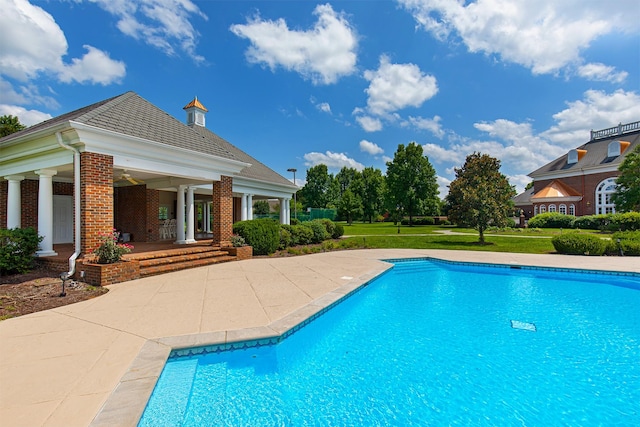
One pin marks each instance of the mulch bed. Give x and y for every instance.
(39, 290)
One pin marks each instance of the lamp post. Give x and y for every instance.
(295, 195)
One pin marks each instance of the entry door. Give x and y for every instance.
(62, 219)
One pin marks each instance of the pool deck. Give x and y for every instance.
(94, 363)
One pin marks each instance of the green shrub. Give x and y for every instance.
(629, 243)
(110, 251)
(285, 236)
(319, 231)
(294, 221)
(337, 232)
(552, 220)
(301, 235)
(579, 244)
(591, 222)
(17, 249)
(329, 225)
(263, 234)
(624, 221)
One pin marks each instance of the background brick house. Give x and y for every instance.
(582, 181)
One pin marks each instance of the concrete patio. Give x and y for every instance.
(61, 367)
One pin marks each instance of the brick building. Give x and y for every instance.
(124, 163)
(582, 181)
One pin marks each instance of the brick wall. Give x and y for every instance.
(96, 194)
(223, 211)
(130, 211)
(29, 208)
(584, 184)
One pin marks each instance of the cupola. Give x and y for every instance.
(195, 112)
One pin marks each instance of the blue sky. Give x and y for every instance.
(298, 83)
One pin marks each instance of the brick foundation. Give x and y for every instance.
(108, 274)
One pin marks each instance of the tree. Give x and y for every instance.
(480, 195)
(261, 207)
(345, 177)
(9, 124)
(411, 181)
(627, 195)
(370, 188)
(350, 206)
(314, 192)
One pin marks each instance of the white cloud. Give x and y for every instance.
(370, 147)
(369, 124)
(432, 125)
(387, 159)
(322, 54)
(94, 67)
(543, 35)
(324, 107)
(601, 72)
(597, 110)
(164, 24)
(26, 117)
(332, 160)
(393, 87)
(520, 181)
(443, 186)
(32, 43)
(439, 154)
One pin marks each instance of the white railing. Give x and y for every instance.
(616, 130)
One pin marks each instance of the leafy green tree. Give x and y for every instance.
(350, 206)
(261, 207)
(627, 195)
(332, 196)
(370, 187)
(9, 124)
(480, 195)
(411, 181)
(314, 192)
(345, 177)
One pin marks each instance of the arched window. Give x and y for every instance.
(562, 209)
(572, 209)
(552, 208)
(535, 210)
(543, 209)
(604, 191)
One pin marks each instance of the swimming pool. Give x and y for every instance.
(431, 343)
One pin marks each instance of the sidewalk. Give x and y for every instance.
(59, 367)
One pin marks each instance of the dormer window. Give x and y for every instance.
(616, 148)
(575, 155)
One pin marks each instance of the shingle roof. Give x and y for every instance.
(257, 170)
(130, 114)
(596, 155)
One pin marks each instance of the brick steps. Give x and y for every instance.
(159, 262)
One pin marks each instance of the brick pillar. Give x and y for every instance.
(223, 211)
(4, 186)
(96, 199)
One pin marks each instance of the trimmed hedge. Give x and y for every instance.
(17, 249)
(552, 220)
(319, 230)
(629, 243)
(579, 244)
(263, 234)
(427, 220)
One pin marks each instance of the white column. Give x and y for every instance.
(45, 211)
(249, 206)
(288, 207)
(14, 201)
(283, 211)
(191, 210)
(180, 215)
(243, 207)
(207, 217)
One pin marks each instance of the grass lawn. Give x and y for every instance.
(385, 235)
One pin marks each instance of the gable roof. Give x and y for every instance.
(257, 170)
(555, 189)
(596, 156)
(130, 114)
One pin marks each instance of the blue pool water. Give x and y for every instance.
(431, 343)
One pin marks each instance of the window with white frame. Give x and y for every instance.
(535, 210)
(543, 209)
(604, 191)
(562, 209)
(552, 208)
(572, 209)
